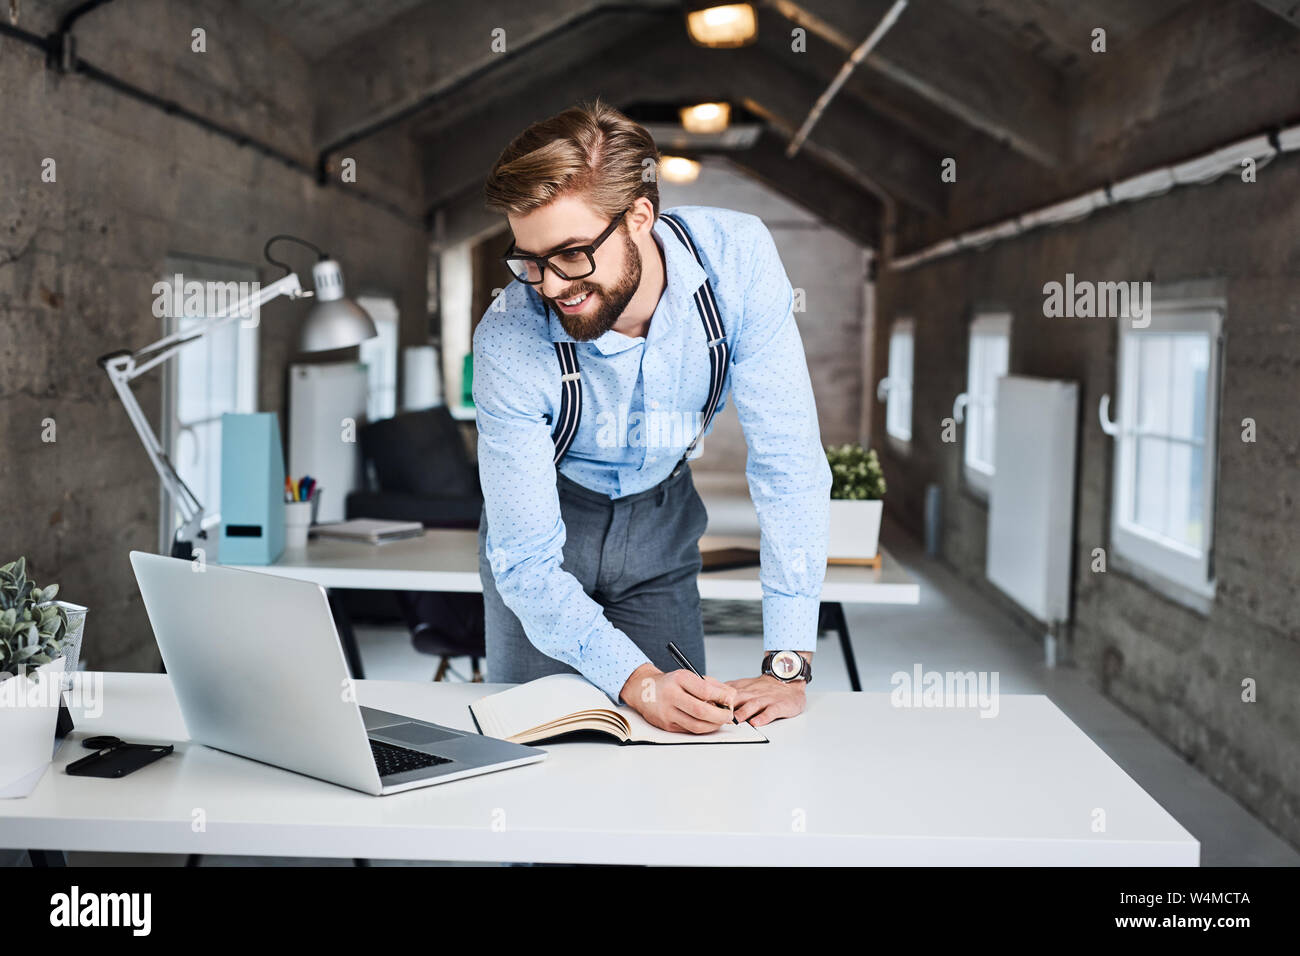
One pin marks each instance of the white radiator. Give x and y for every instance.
(1031, 502)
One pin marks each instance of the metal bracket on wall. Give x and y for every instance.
(959, 407)
(1103, 415)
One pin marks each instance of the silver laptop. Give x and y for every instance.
(258, 671)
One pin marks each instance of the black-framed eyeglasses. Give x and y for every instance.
(573, 262)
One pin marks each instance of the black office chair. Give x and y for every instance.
(417, 469)
(446, 625)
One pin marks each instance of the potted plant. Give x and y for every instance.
(857, 486)
(33, 629)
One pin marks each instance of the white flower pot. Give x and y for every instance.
(29, 710)
(855, 529)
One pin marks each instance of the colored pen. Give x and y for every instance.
(681, 659)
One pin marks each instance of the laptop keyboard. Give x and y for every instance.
(391, 760)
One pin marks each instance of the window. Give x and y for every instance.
(990, 337)
(208, 377)
(896, 389)
(379, 355)
(1162, 515)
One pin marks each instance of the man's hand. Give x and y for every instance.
(678, 701)
(762, 700)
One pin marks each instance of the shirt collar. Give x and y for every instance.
(684, 276)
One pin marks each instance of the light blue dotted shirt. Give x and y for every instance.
(641, 402)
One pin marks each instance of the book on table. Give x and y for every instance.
(564, 703)
(370, 529)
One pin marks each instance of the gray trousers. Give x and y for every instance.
(637, 556)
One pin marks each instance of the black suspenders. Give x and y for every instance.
(566, 422)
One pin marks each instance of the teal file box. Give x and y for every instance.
(252, 489)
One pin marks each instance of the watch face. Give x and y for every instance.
(787, 665)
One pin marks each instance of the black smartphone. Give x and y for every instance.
(118, 761)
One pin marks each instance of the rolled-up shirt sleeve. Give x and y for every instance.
(788, 475)
(525, 537)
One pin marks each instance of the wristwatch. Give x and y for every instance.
(787, 666)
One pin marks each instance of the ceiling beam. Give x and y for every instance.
(836, 199)
(1288, 10)
(948, 57)
(661, 64)
(821, 61)
(393, 71)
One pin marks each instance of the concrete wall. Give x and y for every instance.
(1178, 670)
(79, 257)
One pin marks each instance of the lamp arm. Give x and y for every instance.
(189, 506)
(122, 369)
(160, 351)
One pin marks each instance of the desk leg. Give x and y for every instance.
(44, 858)
(832, 618)
(346, 636)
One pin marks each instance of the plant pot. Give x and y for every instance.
(76, 615)
(855, 529)
(29, 708)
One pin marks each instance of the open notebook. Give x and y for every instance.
(562, 703)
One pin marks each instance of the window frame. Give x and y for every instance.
(978, 475)
(381, 376)
(247, 382)
(890, 386)
(1189, 571)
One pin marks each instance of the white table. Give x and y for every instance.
(853, 780)
(447, 560)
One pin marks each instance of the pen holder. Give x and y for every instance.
(297, 519)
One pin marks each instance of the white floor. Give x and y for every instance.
(953, 629)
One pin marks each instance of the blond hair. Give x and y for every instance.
(590, 149)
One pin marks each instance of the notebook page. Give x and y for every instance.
(539, 702)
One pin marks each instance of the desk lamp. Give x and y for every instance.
(334, 322)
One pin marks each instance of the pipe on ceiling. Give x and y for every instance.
(851, 64)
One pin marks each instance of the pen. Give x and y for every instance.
(681, 659)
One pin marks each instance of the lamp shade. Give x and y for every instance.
(334, 322)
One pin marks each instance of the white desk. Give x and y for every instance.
(447, 560)
(870, 783)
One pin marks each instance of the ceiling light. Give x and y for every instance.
(721, 24)
(706, 117)
(679, 169)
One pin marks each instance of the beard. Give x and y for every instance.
(612, 299)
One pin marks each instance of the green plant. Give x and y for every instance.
(31, 631)
(855, 473)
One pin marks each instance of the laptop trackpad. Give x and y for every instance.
(413, 733)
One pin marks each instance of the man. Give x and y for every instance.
(594, 374)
